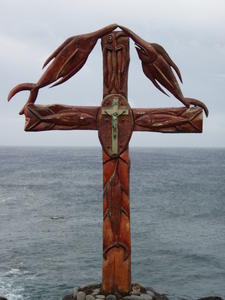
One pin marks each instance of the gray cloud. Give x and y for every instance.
(193, 33)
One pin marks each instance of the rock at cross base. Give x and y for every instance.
(111, 297)
(211, 298)
(94, 292)
(90, 297)
(67, 297)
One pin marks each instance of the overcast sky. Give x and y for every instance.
(192, 32)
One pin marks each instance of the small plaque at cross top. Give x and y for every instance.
(115, 121)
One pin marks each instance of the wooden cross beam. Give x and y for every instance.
(65, 117)
(115, 121)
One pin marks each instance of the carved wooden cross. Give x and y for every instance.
(115, 122)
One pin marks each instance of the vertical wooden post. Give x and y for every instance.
(116, 268)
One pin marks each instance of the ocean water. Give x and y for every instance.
(51, 221)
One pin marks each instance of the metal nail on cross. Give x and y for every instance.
(114, 132)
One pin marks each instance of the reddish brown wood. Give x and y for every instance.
(66, 61)
(116, 271)
(116, 58)
(125, 124)
(157, 66)
(65, 117)
(72, 54)
(60, 117)
(168, 120)
(116, 261)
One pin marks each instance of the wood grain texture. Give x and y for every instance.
(116, 261)
(116, 224)
(60, 117)
(168, 120)
(125, 123)
(116, 59)
(158, 67)
(115, 122)
(63, 63)
(65, 117)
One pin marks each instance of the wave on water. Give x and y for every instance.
(51, 221)
(11, 285)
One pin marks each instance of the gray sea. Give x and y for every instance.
(51, 221)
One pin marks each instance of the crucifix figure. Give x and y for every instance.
(115, 111)
(115, 122)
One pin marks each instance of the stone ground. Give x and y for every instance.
(138, 292)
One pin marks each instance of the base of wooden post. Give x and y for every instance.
(95, 292)
(121, 270)
(138, 292)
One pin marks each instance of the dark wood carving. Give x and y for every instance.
(168, 120)
(115, 122)
(157, 66)
(71, 55)
(116, 60)
(65, 117)
(60, 117)
(67, 60)
(116, 271)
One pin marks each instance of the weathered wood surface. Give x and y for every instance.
(60, 117)
(116, 59)
(116, 270)
(65, 117)
(168, 120)
(158, 67)
(116, 260)
(115, 122)
(63, 63)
